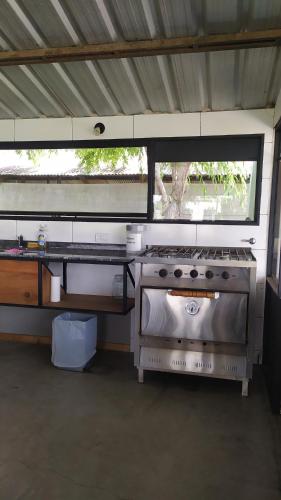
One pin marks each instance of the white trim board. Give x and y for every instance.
(256, 121)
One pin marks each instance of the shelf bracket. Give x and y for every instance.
(130, 275)
(64, 276)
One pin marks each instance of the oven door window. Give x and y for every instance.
(221, 319)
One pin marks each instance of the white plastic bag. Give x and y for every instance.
(74, 340)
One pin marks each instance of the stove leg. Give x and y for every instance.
(140, 375)
(245, 383)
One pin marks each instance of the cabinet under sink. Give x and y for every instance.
(18, 282)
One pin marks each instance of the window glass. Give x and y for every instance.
(198, 191)
(87, 180)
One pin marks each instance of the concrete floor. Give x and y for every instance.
(102, 436)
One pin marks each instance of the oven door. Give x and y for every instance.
(218, 317)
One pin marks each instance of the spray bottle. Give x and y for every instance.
(42, 239)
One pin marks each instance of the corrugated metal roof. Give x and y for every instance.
(189, 82)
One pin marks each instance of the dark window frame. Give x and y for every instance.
(218, 139)
(73, 216)
(147, 217)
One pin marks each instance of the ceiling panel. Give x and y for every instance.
(188, 82)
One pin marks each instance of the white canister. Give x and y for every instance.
(134, 237)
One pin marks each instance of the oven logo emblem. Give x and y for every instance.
(192, 307)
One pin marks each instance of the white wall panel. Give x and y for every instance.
(265, 196)
(221, 235)
(170, 234)
(56, 230)
(88, 278)
(93, 279)
(166, 125)
(99, 232)
(257, 121)
(162, 234)
(268, 151)
(44, 129)
(8, 229)
(7, 130)
(261, 257)
(116, 127)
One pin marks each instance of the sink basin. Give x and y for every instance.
(7, 251)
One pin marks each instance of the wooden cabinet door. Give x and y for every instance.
(18, 282)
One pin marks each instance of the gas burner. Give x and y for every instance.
(200, 253)
(213, 253)
(171, 252)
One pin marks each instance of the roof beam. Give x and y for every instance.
(141, 48)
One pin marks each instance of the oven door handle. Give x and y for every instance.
(202, 294)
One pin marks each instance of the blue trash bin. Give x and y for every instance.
(74, 340)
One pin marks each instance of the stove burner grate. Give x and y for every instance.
(223, 253)
(200, 253)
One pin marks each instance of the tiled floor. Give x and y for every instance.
(102, 436)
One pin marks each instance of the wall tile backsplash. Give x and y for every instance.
(255, 121)
(268, 151)
(265, 196)
(99, 232)
(8, 229)
(56, 230)
(233, 235)
(261, 257)
(170, 234)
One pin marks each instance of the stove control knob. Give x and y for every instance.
(225, 275)
(163, 273)
(209, 274)
(178, 273)
(193, 273)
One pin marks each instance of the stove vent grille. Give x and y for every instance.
(231, 368)
(220, 365)
(178, 362)
(154, 360)
(200, 364)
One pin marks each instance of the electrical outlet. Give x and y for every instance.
(101, 237)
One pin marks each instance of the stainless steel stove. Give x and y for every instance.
(195, 311)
